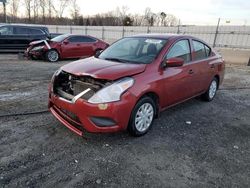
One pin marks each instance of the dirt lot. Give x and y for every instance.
(37, 151)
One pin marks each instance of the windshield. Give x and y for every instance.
(134, 50)
(59, 38)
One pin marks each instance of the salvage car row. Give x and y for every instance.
(37, 43)
(126, 85)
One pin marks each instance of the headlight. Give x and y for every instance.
(53, 79)
(55, 74)
(37, 48)
(113, 92)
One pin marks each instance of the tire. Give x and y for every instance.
(135, 128)
(52, 56)
(211, 92)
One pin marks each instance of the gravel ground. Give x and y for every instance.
(37, 151)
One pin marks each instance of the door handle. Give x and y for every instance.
(191, 71)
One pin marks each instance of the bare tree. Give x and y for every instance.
(75, 10)
(35, 8)
(171, 20)
(150, 16)
(50, 8)
(28, 8)
(14, 5)
(138, 20)
(62, 6)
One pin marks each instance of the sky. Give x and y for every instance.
(189, 11)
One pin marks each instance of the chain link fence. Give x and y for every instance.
(216, 36)
(223, 34)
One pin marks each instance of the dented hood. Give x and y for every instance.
(103, 69)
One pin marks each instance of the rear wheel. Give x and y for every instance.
(52, 56)
(211, 92)
(142, 117)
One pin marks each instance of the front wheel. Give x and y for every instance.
(211, 92)
(142, 117)
(52, 56)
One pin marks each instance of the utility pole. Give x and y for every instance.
(4, 10)
(216, 32)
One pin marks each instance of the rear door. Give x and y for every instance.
(204, 69)
(87, 46)
(21, 37)
(37, 34)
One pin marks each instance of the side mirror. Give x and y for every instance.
(98, 52)
(173, 62)
(66, 42)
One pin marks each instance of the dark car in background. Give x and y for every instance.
(65, 47)
(16, 38)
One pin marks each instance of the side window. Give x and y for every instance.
(35, 32)
(81, 39)
(21, 31)
(180, 49)
(87, 39)
(74, 39)
(201, 51)
(6, 30)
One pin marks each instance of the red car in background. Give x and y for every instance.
(64, 47)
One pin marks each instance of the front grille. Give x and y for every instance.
(67, 85)
(70, 117)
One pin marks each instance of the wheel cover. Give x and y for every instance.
(144, 117)
(53, 56)
(212, 89)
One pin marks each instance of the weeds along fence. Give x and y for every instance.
(222, 36)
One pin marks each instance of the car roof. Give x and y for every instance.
(73, 35)
(161, 35)
(22, 25)
(169, 36)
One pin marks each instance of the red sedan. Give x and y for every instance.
(132, 81)
(64, 47)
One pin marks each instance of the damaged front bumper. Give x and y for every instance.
(34, 52)
(68, 103)
(81, 115)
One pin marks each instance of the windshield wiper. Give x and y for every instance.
(122, 60)
(116, 59)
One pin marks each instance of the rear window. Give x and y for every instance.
(36, 32)
(21, 31)
(201, 51)
(59, 38)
